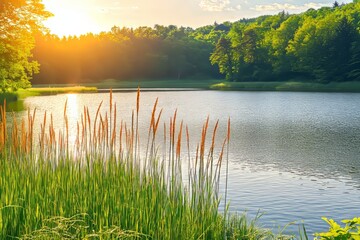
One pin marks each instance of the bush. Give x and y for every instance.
(351, 230)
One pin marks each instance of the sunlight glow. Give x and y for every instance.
(83, 16)
(69, 20)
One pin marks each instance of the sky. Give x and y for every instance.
(75, 17)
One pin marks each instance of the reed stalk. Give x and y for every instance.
(100, 188)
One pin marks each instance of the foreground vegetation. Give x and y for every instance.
(99, 187)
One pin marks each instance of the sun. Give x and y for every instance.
(69, 19)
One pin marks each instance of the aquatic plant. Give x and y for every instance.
(101, 187)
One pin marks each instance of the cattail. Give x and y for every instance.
(137, 140)
(15, 136)
(152, 122)
(188, 150)
(214, 135)
(113, 137)
(164, 146)
(120, 139)
(96, 117)
(157, 122)
(174, 127)
(178, 147)
(227, 172)
(89, 122)
(203, 138)
(138, 100)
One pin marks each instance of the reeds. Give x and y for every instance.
(100, 188)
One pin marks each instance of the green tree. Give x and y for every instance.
(19, 21)
(222, 56)
(354, 65)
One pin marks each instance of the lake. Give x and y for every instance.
(293, 156)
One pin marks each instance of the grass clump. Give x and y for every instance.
(100, 187)
(39, 91)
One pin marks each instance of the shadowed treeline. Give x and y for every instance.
(317, 46)
(124, 53)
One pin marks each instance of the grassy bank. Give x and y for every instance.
(43, 91)
(214, 84)
(288, 86)
(206, 84)
(145, 83)
(99, 188)
(51, 90)
(168, 83)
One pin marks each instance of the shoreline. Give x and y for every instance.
(180, 85)
(211, 84)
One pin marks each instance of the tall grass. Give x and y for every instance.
(101, 188)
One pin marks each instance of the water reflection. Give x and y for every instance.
(72, 113)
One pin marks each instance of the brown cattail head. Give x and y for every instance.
(152, 122)
(214, 135)
(157, 122)
(138, 100)
(178, 147)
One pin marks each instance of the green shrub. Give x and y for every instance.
(351, 230)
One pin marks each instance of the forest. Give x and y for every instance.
(315, 46)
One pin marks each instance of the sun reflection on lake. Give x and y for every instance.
(72, 113)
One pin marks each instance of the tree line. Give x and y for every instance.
(318, 46)
(162, 52)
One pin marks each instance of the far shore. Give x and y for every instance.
(179, 85)
(209, 84)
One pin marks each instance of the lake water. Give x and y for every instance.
(293, 156)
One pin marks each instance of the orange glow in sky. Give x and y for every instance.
(69, 19)
(76, 17)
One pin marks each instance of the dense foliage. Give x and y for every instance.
(317, 45)
(19, 20)
(124, 53)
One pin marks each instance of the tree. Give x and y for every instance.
(222, 56)
(20, 20)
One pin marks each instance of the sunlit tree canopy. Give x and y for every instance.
(19, 21)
